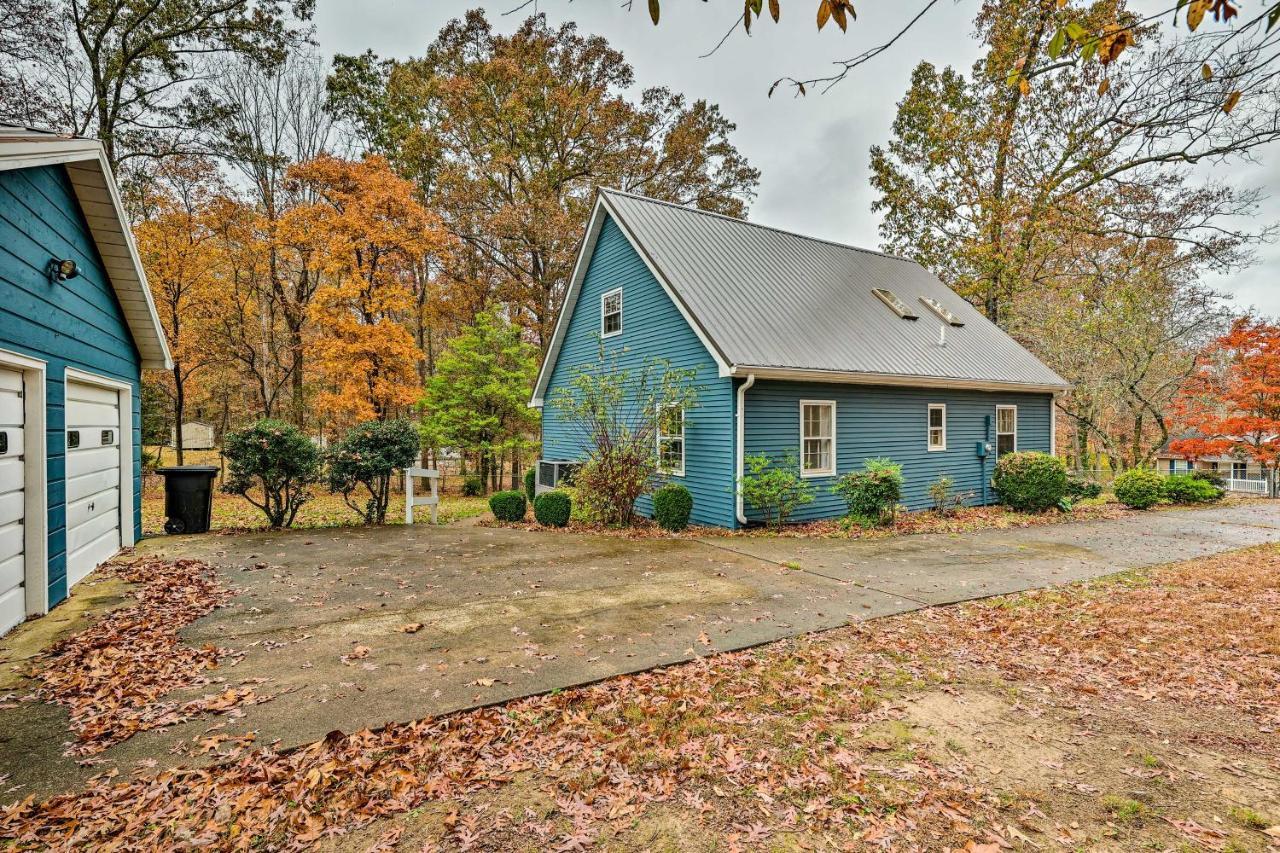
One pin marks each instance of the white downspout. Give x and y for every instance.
(741, 452)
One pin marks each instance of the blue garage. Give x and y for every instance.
(77, 326)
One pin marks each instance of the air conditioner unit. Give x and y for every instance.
(553, 473)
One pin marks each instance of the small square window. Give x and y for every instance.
(73, 439)
(4, 442)
(937, 426)
(611, 314)
(108, 437)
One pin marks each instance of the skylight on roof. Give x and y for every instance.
(888, 297)
(937, 307)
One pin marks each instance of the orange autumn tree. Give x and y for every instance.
(176, 245)
(1233, 402)
(371, 235)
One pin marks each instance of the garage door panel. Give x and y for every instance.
(90, 484)
(92, 414)
(13, 608)
(10, 540)
(87, 557)
(10, 380)
(78, 392)
(11, 474)
(16, 441)
(10, 409)
(89, 508)
(91, 529)
(86, 461)
(11, 571)
(12, 507)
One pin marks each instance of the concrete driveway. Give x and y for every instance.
(508, 613)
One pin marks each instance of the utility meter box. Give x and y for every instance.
(984, 450)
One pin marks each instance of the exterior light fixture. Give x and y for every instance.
(61, 270)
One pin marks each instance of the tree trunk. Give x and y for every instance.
(179, 408)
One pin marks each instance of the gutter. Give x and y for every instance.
(741, 450)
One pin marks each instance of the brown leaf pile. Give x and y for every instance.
(772, 737)
(112, 675)
(1204, 632)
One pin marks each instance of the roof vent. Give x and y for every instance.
(888, 297)
(936, 307)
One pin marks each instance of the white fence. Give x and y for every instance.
(1251, 487)
(1241, 485)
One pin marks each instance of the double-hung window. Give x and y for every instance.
(817, 438)
(671, 440)
(1006, 429)
(937, 426)
(1239, 470)
(611, 313)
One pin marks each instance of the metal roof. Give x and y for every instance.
(791, 304)
(99, 199)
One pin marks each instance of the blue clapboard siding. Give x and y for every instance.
(885, 421)
(652, 327)
(77, 323)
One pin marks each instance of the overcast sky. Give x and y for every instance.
(812, 151)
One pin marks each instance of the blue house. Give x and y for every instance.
(77, 325)
(801, 347)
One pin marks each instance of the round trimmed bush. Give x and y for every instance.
(1186, 489)
(672, 505)
(508, 506)
(1030, 481)
(531, 486)
(552, 509)
(1139, 488)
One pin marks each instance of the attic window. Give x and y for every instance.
(937, 307)
(888, 297)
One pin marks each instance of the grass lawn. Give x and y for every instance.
(1137, 712)
(232, 512)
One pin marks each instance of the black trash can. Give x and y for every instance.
(188, 497)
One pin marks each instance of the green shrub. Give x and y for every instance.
(472, 486)
(1080, 487)
(552, 509)
(366, 457)
(872, 494)
(531, 485)
(672, 505)
(273, 459)
(946, 500)
(1030, 481)
(1186, 489)
(774, 489)
(1212, 477)
(1139, 488)
(508, 506)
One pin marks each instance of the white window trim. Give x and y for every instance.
(1013, 409)
(125, 435)
(617, 291)
(674, 472)
(835, 464)
(35, 483)
(928, 425)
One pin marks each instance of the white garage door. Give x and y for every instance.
(13, 600)
(93, 478)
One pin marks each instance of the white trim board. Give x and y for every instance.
(35, 480)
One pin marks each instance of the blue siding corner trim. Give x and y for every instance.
(77, 323)
(881, 421)
(652, 327)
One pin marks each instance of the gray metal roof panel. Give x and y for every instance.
(772, 298)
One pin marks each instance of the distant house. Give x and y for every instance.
(802, 346)
(1241, 475)
(196, 435)
(77, 325)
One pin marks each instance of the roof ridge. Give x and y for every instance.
(686, 208)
